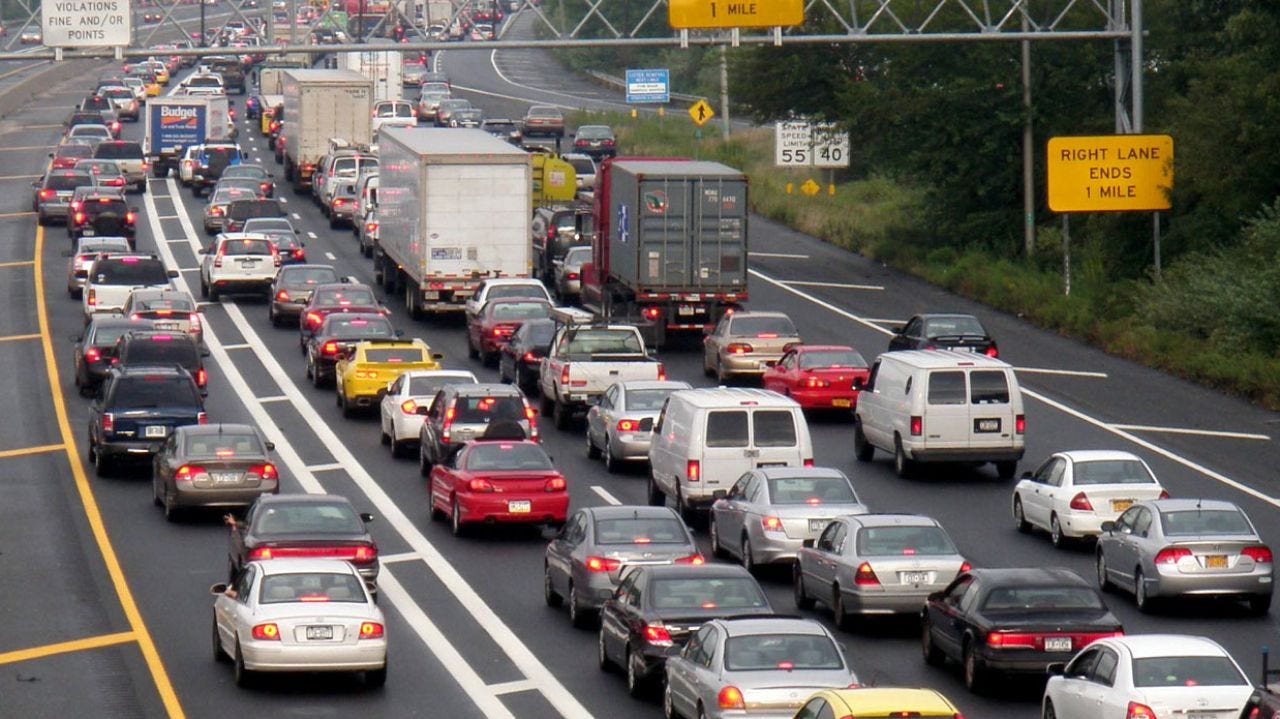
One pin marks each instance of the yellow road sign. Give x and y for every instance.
(701, 112)
(693, 14)
(810, 187)
(1110, 173)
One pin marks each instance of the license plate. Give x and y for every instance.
(430, 295)
(841, 403)
(1119, 505)
(771, 464)
(1215, 561)
(817, 525)
(166, 325)
(319, 633)
(914, 577)
(248, 261)
(686, 310)
(961, 348)
(986, 425)
(87, 232)
(225, 477)
(155, 430)
(1057, 644)
(519, 506)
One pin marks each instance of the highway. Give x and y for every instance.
(110, 617)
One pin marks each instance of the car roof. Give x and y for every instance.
(639, 384)
(119, 321)
(822, 348)
(737, 315)
(946, 359)
(1174, 505)
(304, 566)
(300, 498)
(505, 281)
(437, 373)
(160, 292)
(946, 315)
(998, 576)
(131, 370)
(1143, 646)
(485, 388)
(720, 397)
(737, 627)
(882, 700)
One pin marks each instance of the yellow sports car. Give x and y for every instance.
(361, 376)
(879, 702)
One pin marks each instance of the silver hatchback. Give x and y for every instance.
(620, 425)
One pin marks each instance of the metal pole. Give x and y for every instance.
(1028, 159)
(204, 42)
(1155, 237)
(360, 22)
(1135, 58)
(1066, 254)
(724, 91)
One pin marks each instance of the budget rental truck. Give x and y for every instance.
(177, 122)
(670, 248)
(320, 105)
(453, 210)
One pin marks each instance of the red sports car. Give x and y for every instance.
(498, 481)
(491, 328)
(330, 298)
(819, 376)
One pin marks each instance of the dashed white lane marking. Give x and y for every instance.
(399, 557)
(181, 241)
(519, 685)
(296, 216)
(330, 255)
(168, 217)
(273, 398)
(835, 285)
(331, 467)
(604, 494)
(311, 234)
(777, 255)
(1186, 430)
(241, 346)
(1063, 372)
(284, 200)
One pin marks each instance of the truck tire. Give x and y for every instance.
(413, 301)
(560, 415)
(288, 170)
(159, 170)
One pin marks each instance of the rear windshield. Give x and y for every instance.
(73, 150)
(507, 455)
(541, 333)
(69, 182)
(953, 327)
(164, 390)
(946, 387)
(1186, 672)
(311, 587)
(647, 400)
(529, 290)
(104, 206)
(1111, 471)
(774, 428)
(162, 350)
(831, 358)
(583, 166)
(181, 304)
(727, 429)
(246, 247)
(342, 298)
(811, 490)
(246, 171)
(707, 593)
(1045, 599)
(771, 652)
(762, 327)
(257, 208)
(640, 530)
(988, 387)
(520, 310)
(594, 132)
(903, 541)
(310, 276)
(577, 255)
(478, 410)
(122, 93)
(396, 110)
(393, 355)
(130, 271)
(604, 342)
(428, 386)
(1193, 522)
(225, 445)
(119, 151)
(308, 518)
(357, 327)
(107, 336)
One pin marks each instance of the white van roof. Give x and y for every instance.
(721, 397)
(946, 359)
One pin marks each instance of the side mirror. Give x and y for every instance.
(859, 382)
(807, 543)
(172, 273)
(219, 588)
(719, 494)
(1056, 669)
(75, 338)
(771, 363)
(437, 356)
(1107, 526)
(271, 446)
(422, 410)
(399, 333)
(366, 517)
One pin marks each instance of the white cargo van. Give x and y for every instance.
(941, 406)
(705, 439)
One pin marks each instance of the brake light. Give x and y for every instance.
(370, 630)
(79, 217)
(1164, 494)
(339, 202)
(730, 697)
(275, 256)
(555, 484)
(816, 383)
(564, 375)
(217, 259)
(866, 576)
(408, 406)
(694, 559)
(189, 472)
(652, 312)
(1081, 502)
(365, 553)
(1020, 640)
(662, 372)
(202, 418)
(265, 471)
(1020, 424)
(602, 564)
(108, 423)
(992, 351)
(480, 485)
(808, 461)
(693, 470)
(1260, 553)
(528, 357)
(1139, 711)
(47, 193)
(216, 211)
(91, 298)
(1171, 555)
(264, 186)
(657, 634)
(917, 426)
(628, 425)
(739, 348)
(571, 275)
(267, 632)
(201, 377)
(771, 524)
(964, 567)
(314, 319)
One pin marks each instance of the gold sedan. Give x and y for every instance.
(746, 343)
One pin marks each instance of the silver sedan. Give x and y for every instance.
(299, 615)
(876, 564)
(1176, 547)
(619, 426)
(587, 558)
(768, 513)
(760, 667)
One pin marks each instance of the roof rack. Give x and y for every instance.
(571, 316)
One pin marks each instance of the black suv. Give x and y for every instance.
(555, 230)
(137, 409)
(103, 213)
(239, 211)
(231, 70)
(153, 347)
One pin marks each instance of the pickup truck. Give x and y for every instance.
(1264, 703)
(587, 357)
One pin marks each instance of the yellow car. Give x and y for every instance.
(362, 374)
(879, 702)
(159, 68)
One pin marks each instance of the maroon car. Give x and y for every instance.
(491, 328)
(331, 298)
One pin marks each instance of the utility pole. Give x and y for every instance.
(1028, 153)
(724, 91)
(204, 41)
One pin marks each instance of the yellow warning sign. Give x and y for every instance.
(701, 112)
(1109, 173)
(810, 187)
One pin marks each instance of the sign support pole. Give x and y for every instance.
(1066, 254)
(1028, 153)
(1155, 237)
(724, 91)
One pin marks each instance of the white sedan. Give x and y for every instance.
(1072, 493)
(405, 404)
(1152, 675)
(187, 165)
(299, 615)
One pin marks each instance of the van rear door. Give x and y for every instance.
(991, 413)
(946, 422)
(726, 449)
(775, 438)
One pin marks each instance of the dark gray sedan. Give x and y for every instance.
(587, 558)
(292, 288)
(302, 525)
(212, 465)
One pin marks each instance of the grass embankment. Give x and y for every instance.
(881, 218)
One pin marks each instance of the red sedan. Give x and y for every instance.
(491, 328)
(498, 481)
(331, 298)
(819, 376)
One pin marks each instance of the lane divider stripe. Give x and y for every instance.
(28, 451)
(74, 645)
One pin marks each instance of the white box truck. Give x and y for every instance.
(320, 105)
(453, 210)
(176, 122)
(382, 67)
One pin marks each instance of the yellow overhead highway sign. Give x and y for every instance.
(1110, 173)
(701, 112)
(694, 14)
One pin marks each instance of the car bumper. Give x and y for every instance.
(1021, 662)
(900, 601)
(211, 224)
(407, 427)
(952, 454)
(1170, 582)
(753, 364)
(287, 308)
(631, 446)
(364, 393)
(365, 654)
(812, 399)
(52, 210)
(541, 509)
(134, 449)
(187, 496)
(491, 344)
(769, 549)
(570, 287)
(242, 285)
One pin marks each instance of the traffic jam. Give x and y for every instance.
(572, 280)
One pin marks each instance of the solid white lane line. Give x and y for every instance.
(484, 615)
(167, 217)
(884, 321)
(835, 285)
(1167, 454)
(1063, 372)
(1201, 432)
(330, 467)
(604, 494)
(777, 255)
(273, 398)
(519, 685)
(285, 200)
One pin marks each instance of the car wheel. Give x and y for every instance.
(170, 511)
(717, 549)
(901, 465)
(1260, 604)
(214, 295)
(424, 464)
(1056, 536)
(656, 497)
(376, 678)
(612, 465)
(101, 464)
(347, 410)
(398, 448)
(862, 449)
(1019, 517)
(1006, 470)
(1048, 712)
(579, 616)
(204, 288)
(1104, 583)
(933, 656)
(243, 677)
(546, 404)
(472, 351)
(635, 676)
(1140, 596)
(219, 655)
(602, 654)
(383, 437)
(843, 620)
(748, 558)
(593, 452)
(272, 316)
(668, 708)
(560, 415)
(455, 520)
(803, 600)
(974, 673)
(549, 592)
(155, 491)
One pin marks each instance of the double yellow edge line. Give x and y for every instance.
(138, 628)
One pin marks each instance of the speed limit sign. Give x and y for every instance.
(830, 146)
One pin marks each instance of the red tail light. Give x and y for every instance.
(662, 372)
(628, 425)
(1139, 711)
(992, 351)
(964, 567)
(808, 461)
(1260, 553)
(370, 630)
(694, 559)
(555, 484)
(189, 472)
(528, 357)
(266, 632)
(91, 298)
(201, 377)
(693, 470)
(217, 259)
(1020, 424)
(314, 319)
(657, 634)
(771, 524)
(1019, 640)
(917, 426)
(816, 383)
(564, 375)
(408, 406)
(47, 193)
(79, 217)
(1164, 494)
(480, 485)
(202, 418)
(108, 423)
(739, 348)
(339, 202)
(1171, 555)
(866, 576)
(264, 186)
(282, 296)
(92, 355)
(730, 697)
(448, 423)
(1081, 502)
(652, 313)
(602, 564)
(275, 256)
(265, 472)
(571, 275)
